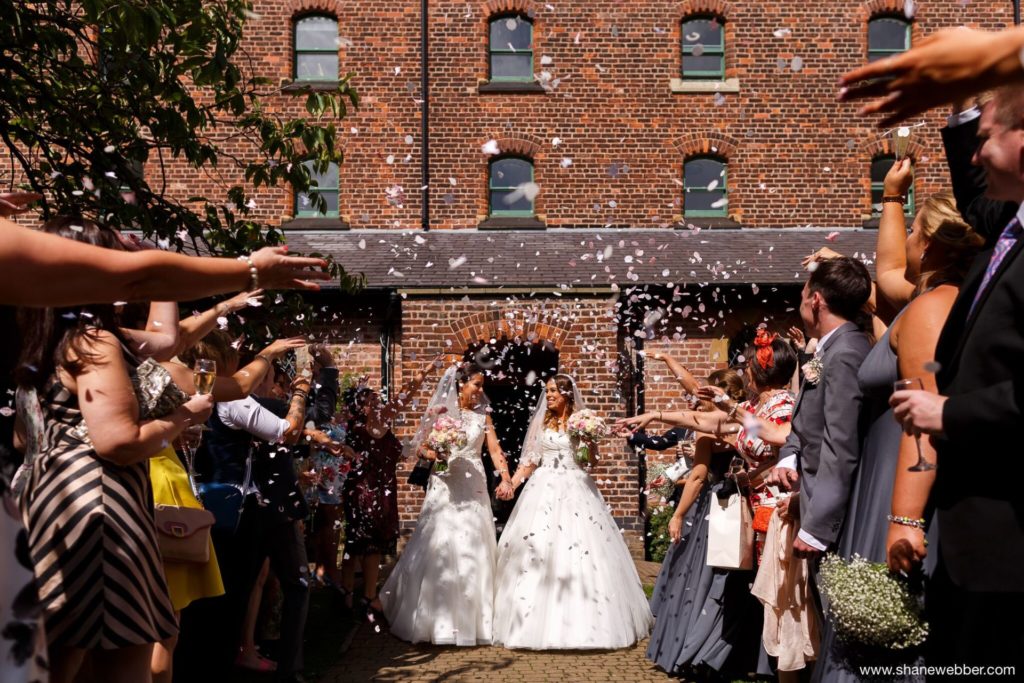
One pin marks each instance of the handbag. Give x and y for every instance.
(225, 502)
(420, 474)
(730, 533)
(183, 534)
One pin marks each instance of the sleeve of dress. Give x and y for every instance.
(249, 416)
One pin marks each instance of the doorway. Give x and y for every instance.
(516, 373)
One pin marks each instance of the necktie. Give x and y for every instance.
(1006, 241)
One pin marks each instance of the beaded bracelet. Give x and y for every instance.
(254, 276)
(907, 521)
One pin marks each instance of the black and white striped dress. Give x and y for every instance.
(92, 539)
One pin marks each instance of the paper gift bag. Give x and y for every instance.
(730, 533)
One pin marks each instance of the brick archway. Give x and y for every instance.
(299, 7)
(709, 142)
(884, 146)
(525, 326)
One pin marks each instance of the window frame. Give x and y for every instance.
(710, 51)
(491, 187)
(909, 207)
(296, 51)
(722, 212)
(882, 53)
(306, 213)
(491, 51)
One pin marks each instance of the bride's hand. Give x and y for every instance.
(504, 491)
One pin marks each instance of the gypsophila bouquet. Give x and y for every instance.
(446, 435)
(655, 472)
(871, 608)
(586, 427)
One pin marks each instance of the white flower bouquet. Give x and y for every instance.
(587, 427)
(872, 609)
(446, 435)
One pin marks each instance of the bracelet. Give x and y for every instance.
(301, 394)
(732, 413)
(907, 521)
(897, 198)
(254, 276)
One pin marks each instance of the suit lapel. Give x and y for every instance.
(841, 330)
(966, 301)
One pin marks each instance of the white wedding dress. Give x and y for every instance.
(566, 580)
(442, 589)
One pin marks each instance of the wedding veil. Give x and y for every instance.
(532, 448)
(444, 401)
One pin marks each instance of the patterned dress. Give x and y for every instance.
(777, 408)
(92, 539)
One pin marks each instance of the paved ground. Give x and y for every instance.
(375, 656)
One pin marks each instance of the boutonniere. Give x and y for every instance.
(813, 370)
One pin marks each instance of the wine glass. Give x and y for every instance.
(204, 374)
(189, 440)
(921, 465)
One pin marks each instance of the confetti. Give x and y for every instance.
(490, 148)
(781, 32)
(797, 64)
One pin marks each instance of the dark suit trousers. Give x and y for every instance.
(972, 628)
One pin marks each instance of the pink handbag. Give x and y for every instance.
(183, 534)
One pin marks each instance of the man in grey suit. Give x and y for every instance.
(823, 450)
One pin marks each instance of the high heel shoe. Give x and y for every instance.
(373, 615)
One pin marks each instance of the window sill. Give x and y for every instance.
(325, 223)
(511, 88)
(729, 85)
(298, 86)
(511, 223)
(710, 222)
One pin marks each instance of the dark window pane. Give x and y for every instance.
(511, 172)
(702, 200)
(305, 204)
(876, 197)
(712, 63)
(316, 33)
(703, 31)
(316, 66)
(500, 202)
(511, 31)
(700, 173)
(887, 34)
(880, 167)
(512, 66)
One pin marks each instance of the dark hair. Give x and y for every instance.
(59, 337)
(565, 388)
(780, 373)
(466, 372)
(844, 283)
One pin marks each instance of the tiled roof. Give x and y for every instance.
(578, 257)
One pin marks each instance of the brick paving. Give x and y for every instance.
(374, 656)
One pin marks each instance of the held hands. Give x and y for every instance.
(920, 412)
(504, 491)
(906, 548)
(899, 178)
(783, 477)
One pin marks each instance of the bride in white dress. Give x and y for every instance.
(566, 580)
(442, 589)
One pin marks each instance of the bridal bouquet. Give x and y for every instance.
(446, 435)
(587, 427)
(871, 608)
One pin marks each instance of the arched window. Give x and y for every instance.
(316, 48)
(326, 187)
(887, 36)
(510, 183)
(880, 165)
(511, 48)
(705, 187)
(703, 48)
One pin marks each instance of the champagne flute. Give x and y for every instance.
(189, 440)
(204, 374)
(921, 465)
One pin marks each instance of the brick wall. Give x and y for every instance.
(795, 156)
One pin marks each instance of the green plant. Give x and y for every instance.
(658, 540)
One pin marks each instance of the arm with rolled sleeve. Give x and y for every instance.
(249, 416)
(840, 449)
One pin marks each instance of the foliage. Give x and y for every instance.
(94, 89)
(658, 540)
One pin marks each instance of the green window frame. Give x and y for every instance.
(498, 50)
(875, 51)
(721, 191)
(497, 188)
(689, 26)
(306, 44)
(326, 185)
(880, 165)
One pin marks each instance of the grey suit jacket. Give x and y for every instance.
(828, 432)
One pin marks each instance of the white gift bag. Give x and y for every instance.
(730, 533)
(677, 470)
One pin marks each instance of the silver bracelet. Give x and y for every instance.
(254, 276)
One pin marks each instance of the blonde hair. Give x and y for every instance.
(942, 224)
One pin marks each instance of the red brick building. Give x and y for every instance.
(599, 178)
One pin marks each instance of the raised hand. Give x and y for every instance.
(822, 254)
(632, 424)
(241, 300)
(277, 270)
(12, 203)
(797, 339)
(899, 178)
(279, 347)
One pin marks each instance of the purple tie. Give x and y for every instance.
(1006, 241)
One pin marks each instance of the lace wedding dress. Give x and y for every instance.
(442, 589)
(565, 576)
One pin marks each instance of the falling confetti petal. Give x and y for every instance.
(490, 147)
(796, 64)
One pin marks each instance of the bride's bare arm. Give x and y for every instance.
(523, 472)
(504, 490)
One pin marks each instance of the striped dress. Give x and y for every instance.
(92, 539)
